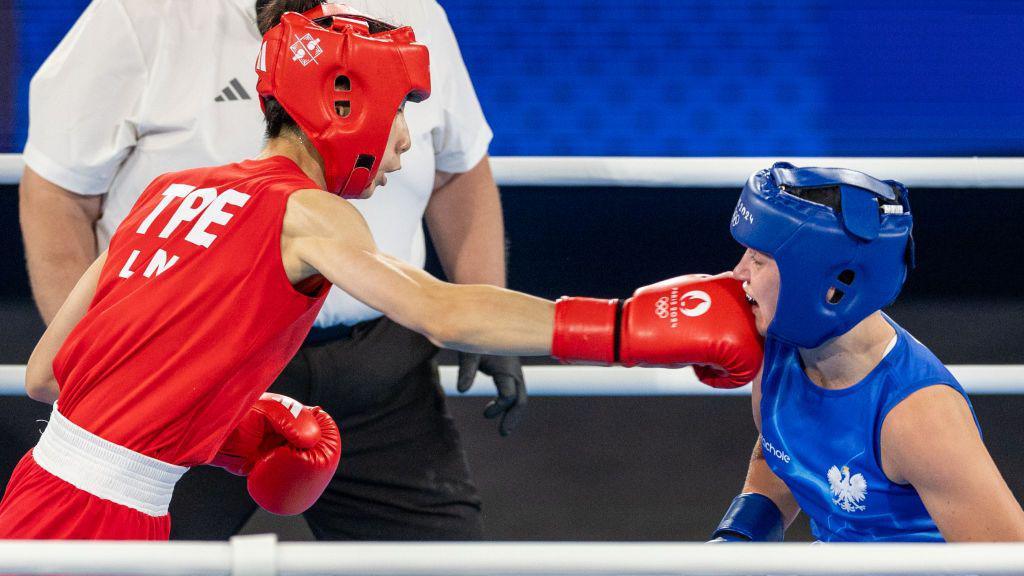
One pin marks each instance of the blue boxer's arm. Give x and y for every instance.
(766, 506)
(750, 518)
(931, 441)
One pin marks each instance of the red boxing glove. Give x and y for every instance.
(288, 451)
(697, 319)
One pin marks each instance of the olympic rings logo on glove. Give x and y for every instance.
(661, 307)
(692, 304)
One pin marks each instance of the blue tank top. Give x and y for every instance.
(825, 444)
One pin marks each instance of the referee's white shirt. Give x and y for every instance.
(142, 87)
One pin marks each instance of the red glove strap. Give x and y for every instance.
(585, 330)
(290, 419)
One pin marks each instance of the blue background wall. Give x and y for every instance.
(701, 77)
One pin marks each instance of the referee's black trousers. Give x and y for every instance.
(403, 473)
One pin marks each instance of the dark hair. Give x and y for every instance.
(268, 15)
(830, 196)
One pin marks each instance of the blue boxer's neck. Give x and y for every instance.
(845, 360)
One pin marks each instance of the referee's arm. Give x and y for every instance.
(466, 225)
(57, 227)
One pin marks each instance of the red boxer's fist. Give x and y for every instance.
(697, 319)
(288, 451)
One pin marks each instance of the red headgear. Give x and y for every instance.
(342, 85)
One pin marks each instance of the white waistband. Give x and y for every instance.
(105, 469)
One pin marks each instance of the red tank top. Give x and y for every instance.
(193, 316)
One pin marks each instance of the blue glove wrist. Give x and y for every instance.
(751, 518)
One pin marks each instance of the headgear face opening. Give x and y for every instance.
(343, 86)
(860, 253)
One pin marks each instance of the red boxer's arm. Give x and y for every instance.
(40, 383)
(288, 451)
(690, 320)
(324, 234)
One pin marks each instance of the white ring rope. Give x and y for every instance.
(713, 172)
(732, 172)
(505, 559)
(617, 381)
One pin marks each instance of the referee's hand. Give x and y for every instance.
(507, 373)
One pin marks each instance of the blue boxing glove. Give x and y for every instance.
(750, 518)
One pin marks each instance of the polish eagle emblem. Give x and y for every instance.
(847, 491)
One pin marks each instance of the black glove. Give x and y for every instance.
(507, 373)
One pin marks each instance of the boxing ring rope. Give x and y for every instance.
(263, 556)
(978, 379)
(713, 172)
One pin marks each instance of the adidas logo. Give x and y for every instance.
(238, 93)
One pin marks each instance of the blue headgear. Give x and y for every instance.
(862, 252)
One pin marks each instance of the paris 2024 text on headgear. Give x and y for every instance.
(342, 85)
(836, 267)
